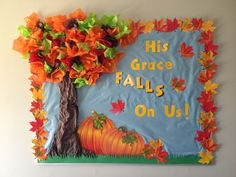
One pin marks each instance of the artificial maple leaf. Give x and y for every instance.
(186, 51)
(161, 155)
(41, 133)
(185, 25)
(210, 87)
(39, 142)
(207, 61)
(36, 105)
(155, 143)
(171, 24)
(37, 93)
(209, 106)
(160, 25)
(206, 37)
(206, 157)
(207, 121)
(209, 145)
(148, 27)
(205, 76)
(36, 124)
(197, 24)
(155, 149)
(117, 107)
(204, 97)
(202, 135)
(178, 84)
(208, 26)
(40, 153)
(211, 47)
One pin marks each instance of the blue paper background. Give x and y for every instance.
(178, 134)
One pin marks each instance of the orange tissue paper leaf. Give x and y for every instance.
(32, 20)
(186, 51)
(78, 14)
(56, 76)
(117, 107)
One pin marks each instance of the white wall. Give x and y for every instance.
(16, 159)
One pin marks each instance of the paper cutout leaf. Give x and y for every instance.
(178, 84)
(186, 51)
(117, 107)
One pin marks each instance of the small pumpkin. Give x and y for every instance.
(91, 130)
(120, 141)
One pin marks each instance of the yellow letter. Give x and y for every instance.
(150, 112)
(128, 81)
(178, 113)
(165, 47)
(133, 64)
(159, 46)
(140, 110)
(118, 77)
(148, 87)
(152, 46)
(151, 66)
(138, 83)
(159, 90)
(159, 65)
(169, 65)
(172, 113)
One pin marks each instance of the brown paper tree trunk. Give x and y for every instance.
(66, 142)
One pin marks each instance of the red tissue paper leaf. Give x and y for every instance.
(186, 51)
(197, 23)
(171, 25)
(36, 124)
(117, 107)
(178, 84)
(202, 135)
(211, 47)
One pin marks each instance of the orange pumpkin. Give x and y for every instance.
(120, 141)
(91, 130)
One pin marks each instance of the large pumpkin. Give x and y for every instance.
(120, 141)
(91, 130)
